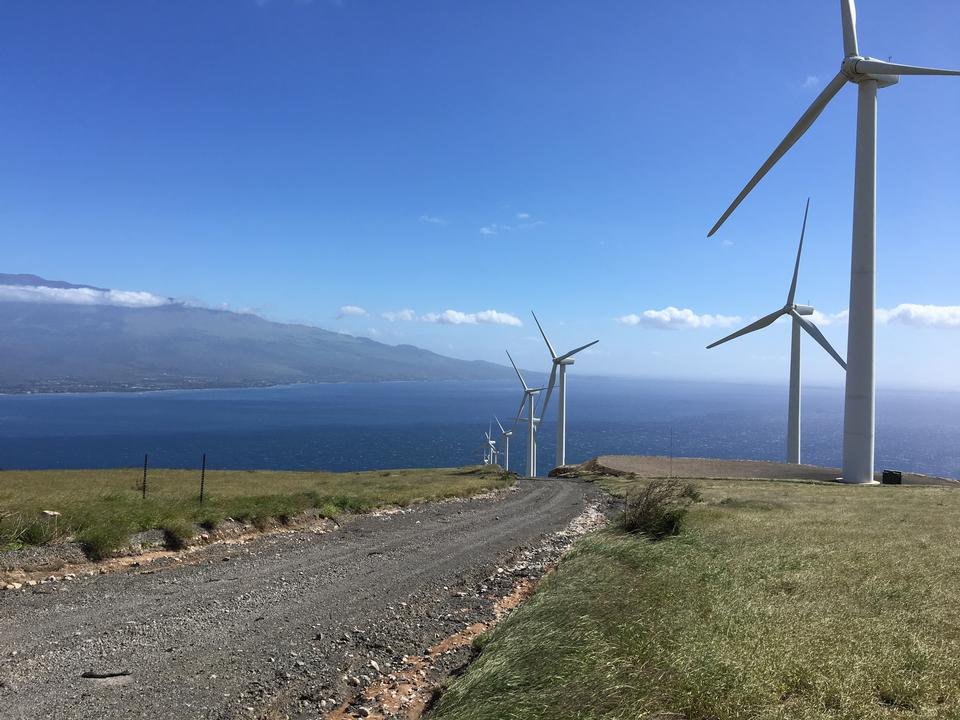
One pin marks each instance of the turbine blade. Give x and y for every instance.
(848, 17)
(879, 67)
(500, 425)
(574, 352)
(553, 353)
(796, 268)
(796, 132)
(815, 333)
(752, 327)
(546, 399)
(517, 370)
(523, 401)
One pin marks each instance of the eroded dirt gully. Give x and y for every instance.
(361, 621)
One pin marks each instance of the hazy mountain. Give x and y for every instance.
(57, 336)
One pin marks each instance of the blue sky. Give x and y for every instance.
(296, 157)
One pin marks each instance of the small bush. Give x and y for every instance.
(480, 642)
(99, 542)
(12, 528)
(329, 510)
(177, 534)
(262, 522)
(658, 509)
(349, 503)
(39, 532)
(210, 522)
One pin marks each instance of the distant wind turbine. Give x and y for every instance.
(506, 434)
(868, 74)
(560, 362)
(796, 313)
(529, 399)
(491, 445)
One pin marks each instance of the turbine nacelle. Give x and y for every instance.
(802, 309)
(856, 69)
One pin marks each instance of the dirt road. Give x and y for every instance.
(282, 625)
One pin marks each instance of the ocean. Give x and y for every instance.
(358, 426)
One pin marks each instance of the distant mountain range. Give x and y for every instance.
(56, 336)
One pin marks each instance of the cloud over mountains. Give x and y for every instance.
(81, 296)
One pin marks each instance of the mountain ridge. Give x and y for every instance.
(63, 346)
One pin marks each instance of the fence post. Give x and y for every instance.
(144, 487)
(203, 474)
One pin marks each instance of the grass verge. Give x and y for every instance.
(778, 600)
(103, 508)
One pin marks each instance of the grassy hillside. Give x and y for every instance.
(779, 600)
(104, 507)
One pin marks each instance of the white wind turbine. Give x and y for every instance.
(560, 362)
(491, 445)
(505, 434)
(796, 313)
(868, 74)
(529, 398)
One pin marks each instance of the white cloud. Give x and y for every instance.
(936, 316)
(433, 220)
(812, 81)
(531, 224)
(405, 315)
(351, 311)
(488, 230)
(487, 317)
(726, 243)
(523, 216)
(671, 317)
(81, 296)
(820, 318)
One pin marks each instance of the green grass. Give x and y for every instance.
(778, 600)
(103, 508)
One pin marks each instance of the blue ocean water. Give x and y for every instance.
(358, 426)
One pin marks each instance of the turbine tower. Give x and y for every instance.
(491, 445)
(560, 362)
(529, 399)
(869, 75)
(796, 313)
(505, 434)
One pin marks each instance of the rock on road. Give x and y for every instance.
(270, 626)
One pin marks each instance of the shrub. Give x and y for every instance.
(329, 510)
(262, 522)
(39, 532)
(658, 509)
(177, 534)
(101, 541)
(210, 522)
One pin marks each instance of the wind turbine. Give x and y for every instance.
(868, 74)
(796, 313)
(491, 445)
(529, 399)
(560, 362)
(506, 444)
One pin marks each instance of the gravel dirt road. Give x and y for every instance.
(285, 625)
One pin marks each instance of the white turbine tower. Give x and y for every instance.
(505, 434)
(491, 445)
(796, 313)
(869, 75)
(560, 362)
(529, 398)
